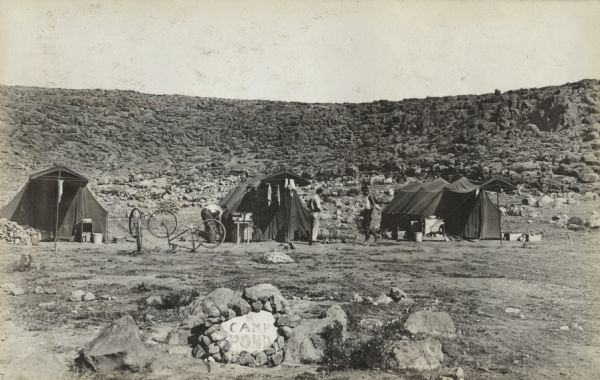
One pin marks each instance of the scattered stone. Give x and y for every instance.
(256, 306)
(577, 327)
(397, 294)
(276, 257)
(199, 352)
(564, 328)
(154, 301)
(276, 358)
(240, 306)
(39, 290)
(305, 345)
(117, 347)
(357, 298)
(383, 300)
(50, 290)
(77, 295)
(89, 296)
(410, 354)
(218, 335)
(261, 358)
(16, 291)
(247, 359)
(267, 307)
(512, 310)
(179, 350)
(261, 292)
(460, 374)
(430, 323)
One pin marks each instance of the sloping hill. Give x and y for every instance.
(545, 138)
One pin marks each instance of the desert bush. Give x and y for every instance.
(24, 264)
(337, 352)
(340, 353)
(179, 298)
(353, 191)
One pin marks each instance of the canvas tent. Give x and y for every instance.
(279, 217)
(35, 205)
(464, 206)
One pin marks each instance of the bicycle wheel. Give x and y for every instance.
(162, 223)
(210, 233)
(135, 219)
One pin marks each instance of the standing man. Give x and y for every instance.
(314, 206)
(369, 205)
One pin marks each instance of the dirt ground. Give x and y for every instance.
(554, 283)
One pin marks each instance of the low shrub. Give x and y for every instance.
(179, 298)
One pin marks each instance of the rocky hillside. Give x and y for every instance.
(546, 138)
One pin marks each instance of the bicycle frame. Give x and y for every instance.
(175, 236)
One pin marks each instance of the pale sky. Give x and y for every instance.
(314, 51)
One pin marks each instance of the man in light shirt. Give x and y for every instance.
(314, 206)
(368, 205)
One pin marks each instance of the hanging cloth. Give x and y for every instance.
(278, 196)
(60, 189)
(292, 184)
(269, 194)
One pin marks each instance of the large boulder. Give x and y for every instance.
(37, 365)
(261, 292)
(413, 354)
(305, 345)
(430, 323)
(117, 347)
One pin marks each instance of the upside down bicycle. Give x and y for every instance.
(208, 233)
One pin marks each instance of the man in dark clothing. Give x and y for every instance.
(368, 205)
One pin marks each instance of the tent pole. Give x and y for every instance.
(56, 218)
(499, 215)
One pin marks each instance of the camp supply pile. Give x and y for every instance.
(14, 233)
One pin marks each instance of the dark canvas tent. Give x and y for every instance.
(465, 207)
(279, 218)
(35, 204)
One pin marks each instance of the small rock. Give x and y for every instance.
(50, 290)
(460, 374)
(154, 301)
(512, 310)
(277, 358)
(564, 328)
(16, 291)
(430, 323)
(357, 298)
(383, 300)
(218, 335)
(213, 348)
(89, 296)
(274, 257)
(179, 350)
(77, 295)
(257, 306)
(199, 352)
(286, 331)
(267, 306)
(397, 294)
(261, 358)
(39, 290)
(577, 327)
